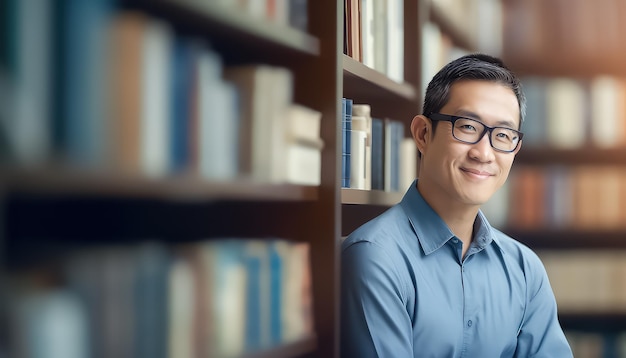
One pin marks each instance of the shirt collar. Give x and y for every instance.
(431, 231)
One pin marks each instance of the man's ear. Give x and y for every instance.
(421, 129)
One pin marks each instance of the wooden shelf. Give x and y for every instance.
(363, 81)
(551, 238)
(76, 183)
(387, 98)
(359, 206)
(609, 321)
(587, 156)
(370, 197)
(238, 36)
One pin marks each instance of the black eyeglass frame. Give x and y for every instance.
(440, 117)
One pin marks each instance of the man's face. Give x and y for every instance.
(469, 174)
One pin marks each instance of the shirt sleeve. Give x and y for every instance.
(374, 319)
(541, 334)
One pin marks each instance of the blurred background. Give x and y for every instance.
(176, 176)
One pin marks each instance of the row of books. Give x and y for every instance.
(121, 90)
(220, 298)
(594, 344)
(437, 50)
(587, 281)
(548, 31)
(374, 35)
(579, 197)
(375, 153)
(283, 12)
(565, 112)
(480, 22)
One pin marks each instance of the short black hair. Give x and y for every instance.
(471, 67)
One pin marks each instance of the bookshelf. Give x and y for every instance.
(546, 52)
(51, 209)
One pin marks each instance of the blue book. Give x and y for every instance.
(81, 86)
(256, 259)
(346, 130)
(151, 300)
(276, 292)
(377, 154)
(397, 135)
(184, 57)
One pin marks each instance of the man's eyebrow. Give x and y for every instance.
(472, 115)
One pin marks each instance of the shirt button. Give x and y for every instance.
(469, 323)
(456, 241)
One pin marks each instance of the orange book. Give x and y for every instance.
(125, 93)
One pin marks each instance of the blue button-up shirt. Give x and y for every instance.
(408, 292)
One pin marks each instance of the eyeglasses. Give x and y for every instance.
(471, 131)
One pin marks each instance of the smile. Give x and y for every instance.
(476, 173)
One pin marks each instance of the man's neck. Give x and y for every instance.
(459, 218)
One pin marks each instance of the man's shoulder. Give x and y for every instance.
(517, 250)
(381, 231)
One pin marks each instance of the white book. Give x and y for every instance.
(52, 324)
(303, 125)
(181, 303)
(304, 164)
(367, 32)
(607, 109)
(280, 96)
(380, 35)
(364, 110)
(395, 40)
(218, 123)
(431, 52)
(265, 93)
(155, 143)
(565, 113)
(226, 280)
(358, 166)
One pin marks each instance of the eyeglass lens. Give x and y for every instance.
(471, 131)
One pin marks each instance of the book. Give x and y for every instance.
(377, 154)
(181, 309)
(303, 125)
(265, 92)
(607, 111)
(304, 163)
(29, 120)
(364, 110)
(155, 102)
(150, 295)
(298, 14)
(302, 156)
(80, 87)
(184, 58)
(346, 129)
(358, 165)
(125, 92)
(394, 132)
(297, 311)
(50, 322)
(566, 119)
(395, 40)
(218, 121)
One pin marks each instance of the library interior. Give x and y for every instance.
(145, 141)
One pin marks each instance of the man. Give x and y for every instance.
(430, 277)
